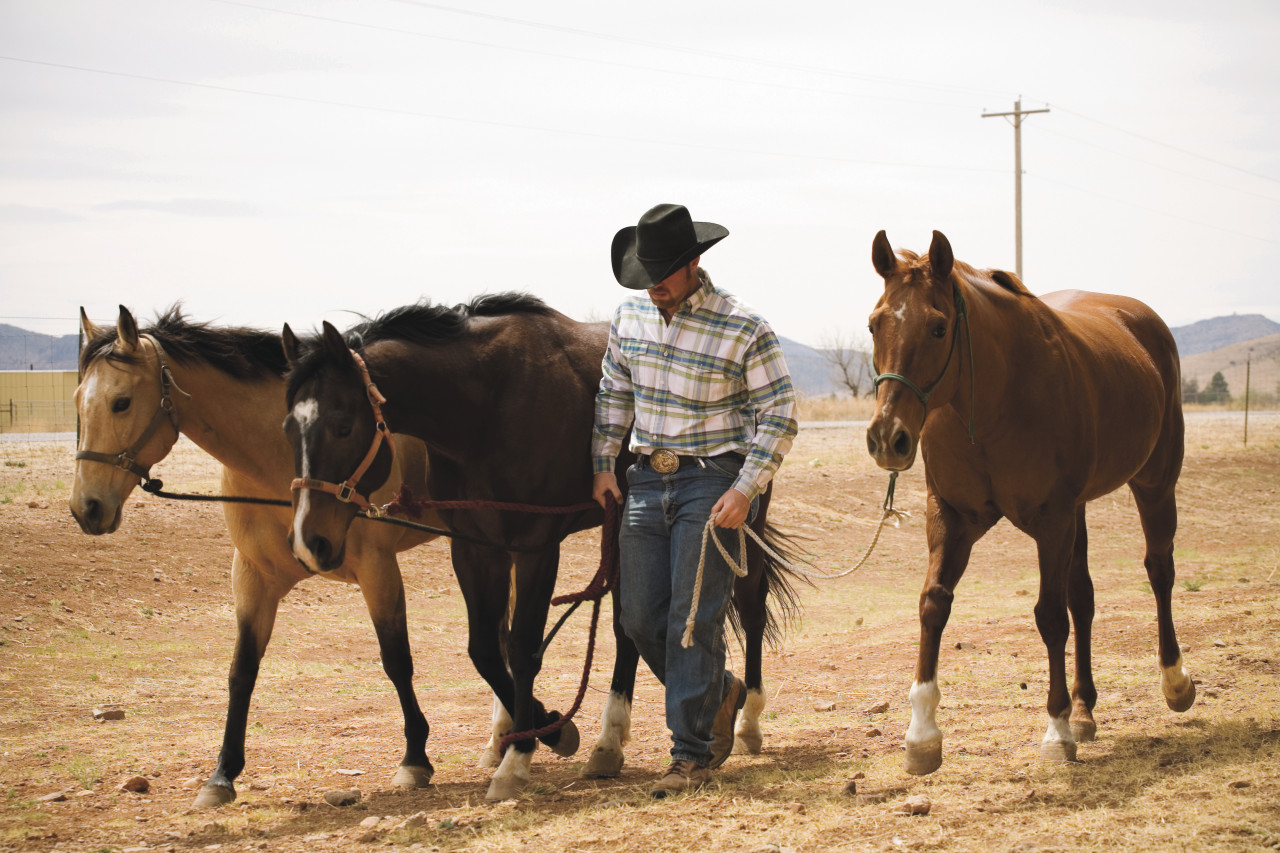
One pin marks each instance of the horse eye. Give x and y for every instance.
(121, 404)
(939, 331)
(344, 431)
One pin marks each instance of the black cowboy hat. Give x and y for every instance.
(666, 239)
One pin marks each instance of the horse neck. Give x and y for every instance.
(432, 392)
(991, 354)
(236, 421)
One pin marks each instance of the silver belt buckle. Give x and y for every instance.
(664, 461)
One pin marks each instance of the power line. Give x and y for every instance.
(673, 143)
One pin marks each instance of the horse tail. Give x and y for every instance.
(773, 585)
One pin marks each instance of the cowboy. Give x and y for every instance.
(703, 384)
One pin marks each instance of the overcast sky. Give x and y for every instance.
(297, 160)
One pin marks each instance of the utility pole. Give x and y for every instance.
(1018, 113)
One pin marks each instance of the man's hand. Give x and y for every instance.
(731, 510)
(605, 483)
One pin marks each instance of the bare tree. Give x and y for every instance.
(850, 355)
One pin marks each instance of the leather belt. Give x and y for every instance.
(668, 462)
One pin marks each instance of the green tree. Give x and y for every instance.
(1191, 390)
(1216, 391)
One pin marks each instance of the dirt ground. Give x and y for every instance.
(141, 621)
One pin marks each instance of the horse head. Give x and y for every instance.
(335, 426)
(914, 329)
(127, 419)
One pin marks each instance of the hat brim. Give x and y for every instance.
(636, 274)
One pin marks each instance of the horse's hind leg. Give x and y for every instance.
(1056, 539)
(1084, 694)
(1158, 510)
(383, 589)
(615, 723)
(256, 606)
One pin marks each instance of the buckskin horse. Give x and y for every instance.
(224, 389)
(502, 392)
(1025, 408)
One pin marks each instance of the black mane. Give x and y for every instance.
(238, 351)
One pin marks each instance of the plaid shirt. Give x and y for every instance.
(711, 382)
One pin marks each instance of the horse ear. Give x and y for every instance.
(334, 343)
(882, 256)
(289, 342)
(127, 329)
(88, 328)
(941, 259)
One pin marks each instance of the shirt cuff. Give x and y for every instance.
(603, 464)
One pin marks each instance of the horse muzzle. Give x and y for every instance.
(891, 444)
(95, 517)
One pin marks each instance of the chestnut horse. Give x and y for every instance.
(502, 391)
(1025, 408)
(224, 389)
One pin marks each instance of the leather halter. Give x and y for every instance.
(962, 315)
(126, 460)
(346, 490)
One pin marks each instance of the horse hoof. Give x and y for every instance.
(923, 759)
(503, 789)
(1084, 731)
(212, 796)
(1181, 701)
(490, 758)
(568, 742)
(409, 776)
(1057, 750)
(603, 764)
(749, 743)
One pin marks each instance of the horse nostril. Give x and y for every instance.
(93, 513)
(873, 446)
(901, 443)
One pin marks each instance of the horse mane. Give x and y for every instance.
(238, 351)
(1001, 278)
(425, 323)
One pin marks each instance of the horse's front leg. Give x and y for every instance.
(1055, 546)
(750, 600)
(256, 605)
(535, 583)
(615, 723)
(951, 540)
(383, 590)
(1084, 694)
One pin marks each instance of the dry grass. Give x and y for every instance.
(95, 628)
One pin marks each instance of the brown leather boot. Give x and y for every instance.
(680, 776)
(722, 726)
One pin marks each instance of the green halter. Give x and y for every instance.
(962, 314)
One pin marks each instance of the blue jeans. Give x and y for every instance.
(661, 541)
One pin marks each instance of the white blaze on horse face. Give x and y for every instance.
(305, 414)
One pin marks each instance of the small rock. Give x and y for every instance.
(858, 775)
(136, 785)
(824, 706)
(858, 621)
(343, 798)
(851, 787)
(917, 804)
(413, 821)
(1211, 693)
(1219, 644)
(871, 798)
(964, 644)
(1241, 783)
(873, 732)
(370, 822)
(345, 772)
(798, 808)
(1186, 647)
(55, 797)
(878, 708)
(111, 714)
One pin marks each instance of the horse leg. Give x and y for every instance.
(1084, 695)
(383, 590)
(256, 606)
(951, 539)
(615, 723)
(535, 583)
(500, 724)
(1055, 541)
(749, 599)
(1158, 510)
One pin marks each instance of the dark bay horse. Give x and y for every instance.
(224, 389)
(1025, 408)
(502, 392)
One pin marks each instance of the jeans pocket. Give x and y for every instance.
(722, 465)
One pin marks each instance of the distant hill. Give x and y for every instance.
(1262, 357)
(1218, 332)
(24, 350)
(811, 373)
